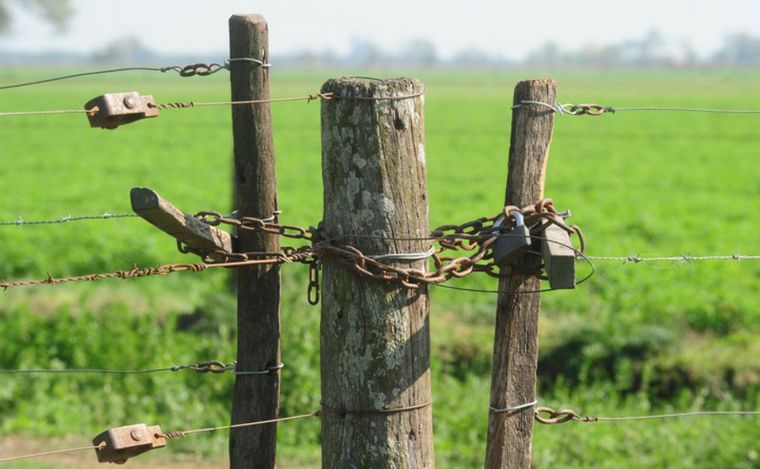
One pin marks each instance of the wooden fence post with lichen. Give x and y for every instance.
(375, 345)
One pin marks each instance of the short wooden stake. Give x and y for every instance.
(256, 397)
(515, 354)
(375, 344)
(200, 237)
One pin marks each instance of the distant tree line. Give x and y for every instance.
(651, 50)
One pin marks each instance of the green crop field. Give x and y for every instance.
(635, 339)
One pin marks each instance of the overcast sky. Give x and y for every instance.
(503, 28)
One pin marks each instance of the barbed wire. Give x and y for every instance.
(685, 258)
(67, 219)
(598, 109)
(198, 69)
(261, 258)
(555, 417)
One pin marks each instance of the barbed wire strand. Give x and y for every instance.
(184, 71)
(678, 258)
(137, 272)
(598, 109)
(53, 452)
(580, 257)
(556, 417)
(69, 218)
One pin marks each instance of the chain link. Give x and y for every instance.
(476, 236)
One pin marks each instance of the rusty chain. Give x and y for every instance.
(477, 236)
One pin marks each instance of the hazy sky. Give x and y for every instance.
(500, 27)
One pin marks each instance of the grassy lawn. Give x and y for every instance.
(635, 339)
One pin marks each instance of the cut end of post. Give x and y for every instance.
(360, 87)
(143, 199)
(537, 85)
(253, 18)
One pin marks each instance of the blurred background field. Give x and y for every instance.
(634, 339)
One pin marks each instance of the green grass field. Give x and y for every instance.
(634, 339)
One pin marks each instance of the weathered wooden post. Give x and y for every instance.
(375, 346)
(515, 354)
(256, 397)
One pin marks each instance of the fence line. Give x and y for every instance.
(555, 417)
(68, 218)
(544, 415)
(163, 269)
(192, 104)
(198, 69)
(678, 258)
(215, 367)
(598, 109)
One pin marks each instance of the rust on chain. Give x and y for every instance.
(476, 237)
(555, 417)
(312, 293)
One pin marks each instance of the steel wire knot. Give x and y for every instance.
(555, 417)
(215, 367)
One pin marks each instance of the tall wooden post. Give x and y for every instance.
(256, 397)
(375, 345)
(515, 354)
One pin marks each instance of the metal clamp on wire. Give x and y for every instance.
(114, 109)
(121, 443)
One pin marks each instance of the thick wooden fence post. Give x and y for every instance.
(256, 397)
(515, 355)
(375, 345)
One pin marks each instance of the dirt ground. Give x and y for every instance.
(86, 459)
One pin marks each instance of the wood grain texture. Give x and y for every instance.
(559, 257)
(256, 397)
(182, 226)
(515, 354)
(375, 344)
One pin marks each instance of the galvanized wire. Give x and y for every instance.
(555, 417)
(67, 219)
(199, 69)
(213, 367)
(678, 258)
(598, 109)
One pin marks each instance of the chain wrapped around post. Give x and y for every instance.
(476, 236)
